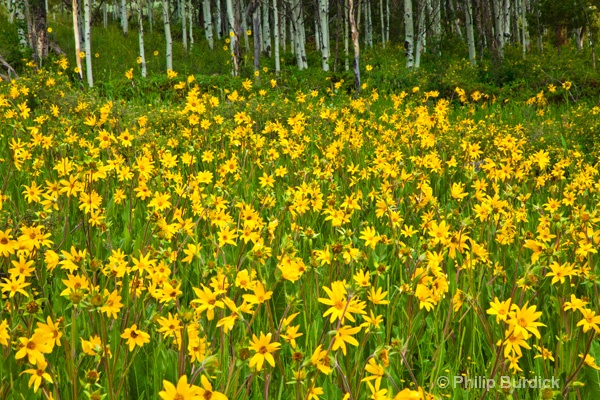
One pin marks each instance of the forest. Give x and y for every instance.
(293, 199)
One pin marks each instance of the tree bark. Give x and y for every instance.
(499, 27)
(168, 38)
(266, 29)
(151, 14)
(324, 29)
(368, 25)
(346, 33)
(219, 20)
(191, 22)
(255, 12)
(88, 42)
(525, 28)
(183, 16)
(141, 38)
(38, 31)
(421, 31)
(356, 46)
(208, 28)
(409, 34)
(124, 18)
(276, 36)
(470, 32)
(434, 10)
(77, 38)
(299, 34)
(381, 15)
(233, 35)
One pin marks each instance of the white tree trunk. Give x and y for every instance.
(420, 37)
(317, 31)
(387, 23)
(456, 24)
(381, 15)
(208, 28)
(141, 38)
(276, 36)
(434, 10)
(506, 13)
(150, 6)
(499, 27)
(10, 8)
(525, 29)
(266, 29)
(356, 45)
(124, 20)
(292, 35)
(299, 34)
(244, 29)
(470, 32)
(19, 15)
(233, 36)
(88, 42)
(168, 38)
(283, 29)
(77, 38)
(191, 22)
(183, 16)
(324, 30)
(346, 33)
(369, 25)
(105, 15)
(219, 20)
(409, 34)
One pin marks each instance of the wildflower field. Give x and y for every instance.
(259, 242)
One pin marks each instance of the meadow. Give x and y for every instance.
(186, 237)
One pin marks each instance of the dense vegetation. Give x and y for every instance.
(194, 235)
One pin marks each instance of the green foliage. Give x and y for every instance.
(10, 48)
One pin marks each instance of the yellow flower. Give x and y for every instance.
(135, 337)
(590, 320)
(523, 320)
(37, 374)
(589, 361)
(500, 309)
(183, 391)
(34, 348)
(155, 53)
(207, 392)
(263, 347)
(49, 30)
(343, 336)
(248, 32)
(227, 236)
(4, 335)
